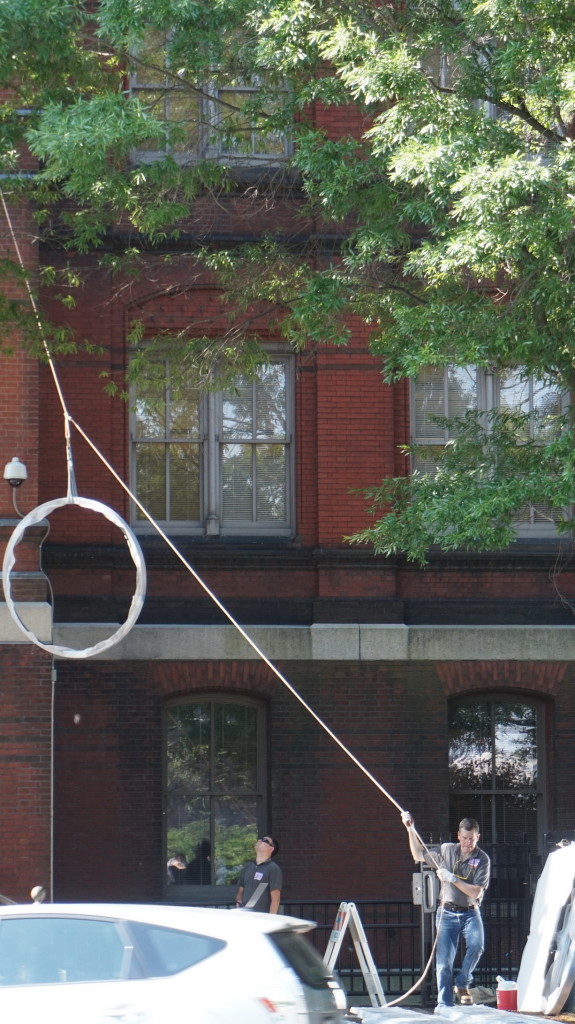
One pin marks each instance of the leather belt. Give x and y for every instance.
(456, 909)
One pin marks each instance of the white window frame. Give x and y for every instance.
(210, 440)
(531, 521)
(210, 144)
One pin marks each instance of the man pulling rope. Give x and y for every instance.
(463, 870)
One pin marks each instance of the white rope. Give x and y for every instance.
(233, 621)
(71, 487)
(72, 490)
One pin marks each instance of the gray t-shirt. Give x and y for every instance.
(475, 869)
(253, 875)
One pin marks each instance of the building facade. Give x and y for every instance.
(452, 685)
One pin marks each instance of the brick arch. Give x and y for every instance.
(177, 678)
(539, 677)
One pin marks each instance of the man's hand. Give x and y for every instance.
(446, 876)
(407, 819)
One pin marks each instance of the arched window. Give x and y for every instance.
(215, 798)
(496, 768)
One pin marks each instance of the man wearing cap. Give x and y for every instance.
(463, 870)
(260, 881)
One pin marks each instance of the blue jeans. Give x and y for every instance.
(450, 927)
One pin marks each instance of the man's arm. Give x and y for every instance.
(275, 877)
(240, 896)
(417, 851)
(473, 891)
(275, 895)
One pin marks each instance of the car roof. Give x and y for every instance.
(219, 921)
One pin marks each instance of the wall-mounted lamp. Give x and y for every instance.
(15, 472)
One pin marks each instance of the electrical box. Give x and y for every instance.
(425, 889)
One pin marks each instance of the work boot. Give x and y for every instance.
(464, 997)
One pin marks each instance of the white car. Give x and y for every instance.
(134, 964)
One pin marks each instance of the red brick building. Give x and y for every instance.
(453, 685)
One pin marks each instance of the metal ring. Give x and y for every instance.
(34, 517)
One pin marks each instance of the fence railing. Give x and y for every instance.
(392, 929)
(400, 937)
(400, 934)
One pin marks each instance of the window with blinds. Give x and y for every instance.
(449, 392)
(440, 392)
(253, 449)
(215, 463)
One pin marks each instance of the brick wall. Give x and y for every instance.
(25, 769)
(340, 836)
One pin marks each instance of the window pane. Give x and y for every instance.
(150, 407)
(183, 108)
(256, 409)
(430, 462)
(234, 122)
(472, 805)
(302, 958)
(546, 399)
(442, 391)
(40, 951)
(516, 818)
(515, 746)
(151, 59)
(271, 482)
(168, 476)
(237, 482)
(470, 748)
(538, 513)
(188, 787)
(184, 412)
(461, 390)
(151, 479)
(514, 391)
(242, 120)
(238, 412)
(168, 951)
(429, 401)
(236, 831)
(235, 748)
(189, 739)
(271, 402)
(526, 394)
(184, 482)
(154, 100)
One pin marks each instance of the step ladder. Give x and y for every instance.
(348, 917)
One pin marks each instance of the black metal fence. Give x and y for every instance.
(400, 933)
(392, 929)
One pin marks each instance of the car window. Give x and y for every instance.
(168, 950)
(299, 953)
(42, 950)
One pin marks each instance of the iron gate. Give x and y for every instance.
(400, 934)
